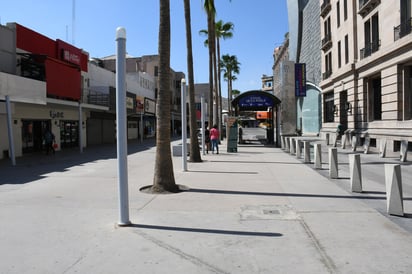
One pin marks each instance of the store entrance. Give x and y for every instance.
(32, 134)
(69, 134)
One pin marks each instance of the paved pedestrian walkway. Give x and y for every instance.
(260, 210)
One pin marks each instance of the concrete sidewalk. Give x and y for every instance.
(260, 210)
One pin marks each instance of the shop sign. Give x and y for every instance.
(68, 52)
(149, 106)
(256, 101)
(56, 114)
(129, 103)
(300, 79)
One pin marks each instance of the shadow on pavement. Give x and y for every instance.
(209, 231)
(33, 167)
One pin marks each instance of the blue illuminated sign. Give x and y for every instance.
(255, 101)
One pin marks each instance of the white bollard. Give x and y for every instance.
(343, 141)
(282, 142)
(355, 173)
(366, 145)
(354, 143)
(394, 195)
(333, 163)
(404, 150)
(298, 149)
(335, 141)
(287, 144)
(292, 145)
(306, 148)
(382, 149)
(318, 156)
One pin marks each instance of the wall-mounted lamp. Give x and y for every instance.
(348, 107)
(335, 110)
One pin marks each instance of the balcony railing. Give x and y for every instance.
(96, 98)
(366, 6)
(402, 30)
(327, 42)
(325, 8)
(369, 49)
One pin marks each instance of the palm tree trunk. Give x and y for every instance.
(164, 179)
(194, 144)
(210, 20)
(219, 72)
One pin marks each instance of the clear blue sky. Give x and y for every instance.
(259, 27)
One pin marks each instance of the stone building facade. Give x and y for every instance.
(367, 70)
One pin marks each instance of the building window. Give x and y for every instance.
(328, 107)
(372, 41)
(374, 99)
(328, 65)
(346, 49)
(406, 21)
(156, 71)
(345, 10)
(407, 92)
(339, 55)
(338, 13)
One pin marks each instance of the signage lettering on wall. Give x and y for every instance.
(256, 101)
(71, 57)
(56, 114)
(300, 79)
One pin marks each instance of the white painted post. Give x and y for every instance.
(287, 143)
(10, 132)
(292, 145)
(282, 142)
(318, 156)
(184, 125)
(354, 143)
(121, 120)
(333, 163)
(404, 150)
(394, 195)
(355, 173)
(306, 148)
(202, 113)
(298, 149)
(382, 150)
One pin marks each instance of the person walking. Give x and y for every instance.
(214, 138)
(49, 140)
(207, 139)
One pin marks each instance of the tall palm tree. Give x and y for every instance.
(164, 180)
(222, 30)
(230, 66)
(194, 144)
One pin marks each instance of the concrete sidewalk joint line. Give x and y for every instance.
(181, 254)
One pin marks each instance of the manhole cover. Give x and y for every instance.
(268, 212)
(271, 211)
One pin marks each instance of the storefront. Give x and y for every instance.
(34, 120)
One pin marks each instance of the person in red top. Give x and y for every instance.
(214, 139)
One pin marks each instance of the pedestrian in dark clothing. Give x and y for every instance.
(207, 139)
(49, 140)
